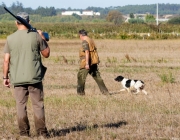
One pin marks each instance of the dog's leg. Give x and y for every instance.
(123, 90)
(137, 91)
(128, 89)
(144, 92)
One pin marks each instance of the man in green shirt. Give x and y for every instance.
(23, 69)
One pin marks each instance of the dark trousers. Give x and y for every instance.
(21, 93)
(93, 71)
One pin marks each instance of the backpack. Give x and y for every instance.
(94, 58)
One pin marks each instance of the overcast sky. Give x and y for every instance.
(82, 4)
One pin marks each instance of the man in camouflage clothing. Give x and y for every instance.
(86, 66)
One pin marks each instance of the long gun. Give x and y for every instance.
(25, 23)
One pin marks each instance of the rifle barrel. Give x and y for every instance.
(10, 12)
(31, 29)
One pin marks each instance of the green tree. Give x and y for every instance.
(115, 16)
(77, 16)
(175, 20)
(45, 11)
(131, 15)
(17, 7)
(29, 10)
(150, 18)
(2, 11)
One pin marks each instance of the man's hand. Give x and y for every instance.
(87, 66)
(6, 83)
(41, 34)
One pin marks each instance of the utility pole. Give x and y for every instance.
(157, 16)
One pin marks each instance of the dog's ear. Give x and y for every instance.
(118, 78)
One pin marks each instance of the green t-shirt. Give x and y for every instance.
(42, 44)
(25, 65)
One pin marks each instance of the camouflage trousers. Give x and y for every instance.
(94, 72)
(21, 93)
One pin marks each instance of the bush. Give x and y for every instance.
(135, 21)
(167, 77)
(175, 20)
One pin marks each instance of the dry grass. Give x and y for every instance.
(120, 116)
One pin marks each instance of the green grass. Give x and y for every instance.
(167, 77)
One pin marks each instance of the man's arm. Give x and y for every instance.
(87, 59)
(85, 46)
(6, 81)
(45, 50)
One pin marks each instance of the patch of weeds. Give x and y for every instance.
(167, 77)
(112, 60)
(72, 62)
(162, 60)
(53, 100)
(113, 135)
(60, 86)
(56, 59)
(128, 58)
(126, 69)
(7, 103)
(116, 69)
(65, 60)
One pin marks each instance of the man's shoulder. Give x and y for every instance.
(19, 33)
(84, 41)
(16, 33)
(11, 35)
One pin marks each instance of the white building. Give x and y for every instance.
(71, 12)
(88, 13)
(84, 13)
(97, 13)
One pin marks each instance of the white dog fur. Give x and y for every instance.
(128, 84)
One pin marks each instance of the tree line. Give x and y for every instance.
(18, 7)
(163, 9)
(139, 9)
(111, 14)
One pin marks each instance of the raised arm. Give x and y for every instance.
(45, 52)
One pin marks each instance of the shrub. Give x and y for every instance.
(167, 77)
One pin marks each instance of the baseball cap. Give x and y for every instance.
(24, 16)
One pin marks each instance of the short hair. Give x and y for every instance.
(83, 32)
(24, 16)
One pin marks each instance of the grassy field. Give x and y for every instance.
(120, 116)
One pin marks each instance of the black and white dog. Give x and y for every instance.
(128, 84)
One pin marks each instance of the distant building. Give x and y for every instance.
(88, 13)
(84, 13)
(97, 13)
(71, 13)
(162, 19)
(168, 16)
